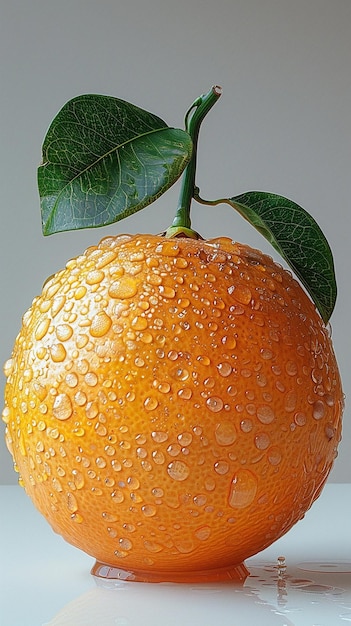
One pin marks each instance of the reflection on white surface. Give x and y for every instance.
(45, 581)
(273, 595)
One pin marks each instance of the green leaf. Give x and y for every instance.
(104, 159)
(298, 238)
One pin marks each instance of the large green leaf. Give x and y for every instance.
(104, 159)
(297, 237)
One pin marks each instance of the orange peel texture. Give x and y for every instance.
(172, 405)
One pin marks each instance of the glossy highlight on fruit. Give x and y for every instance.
(173, 405)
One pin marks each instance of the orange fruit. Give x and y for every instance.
(173, 405)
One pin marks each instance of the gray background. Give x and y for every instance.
(282, 124)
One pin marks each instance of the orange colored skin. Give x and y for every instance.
(172, 405)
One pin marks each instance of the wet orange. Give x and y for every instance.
(173, 406)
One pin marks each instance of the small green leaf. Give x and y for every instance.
(298, 238)
(104, 159)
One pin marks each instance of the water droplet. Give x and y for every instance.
(225, 433)
(221, 467)
(100, 429)
(100, 324)
(174, 449)
(64, 332)
(57, 305)
(214, 403)
(82, 366)
(224, 369)
(139, 323)
(229, 342)
(62, 407)
(9, 367)
(78, 479)
(42, 328)
(80, 292)
(180, 373)
(117, 496)
(125, 287)
(329, 431)
(91, 379)
(125, 543)
(100, 462)
(290, 401)
(158, 457)
(159, 436)
(241, 293)
(58, 352)
(203, 533)
(148, 510)
(300, 418)
(185, 393)
(72, 380)
(94, 277)
(152, 546)
(262, 441)
(243, 489)
(72, 503)
(178, 470)
(80, 398)
(57, 485)
(318, 409)
(265, 414)
(167, 292)
(150, 403)
(274, 456)
(91, 410)
(185, 439)
(291, 368)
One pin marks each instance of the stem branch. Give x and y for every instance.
(193, 120)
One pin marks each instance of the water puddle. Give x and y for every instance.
(275, 594)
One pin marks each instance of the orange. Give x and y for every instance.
(173, 406)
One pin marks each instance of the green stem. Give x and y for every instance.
(195, 115)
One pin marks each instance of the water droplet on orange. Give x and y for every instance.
(71, 380)
(185, 393)
(80, 398)
(100, 325)
(265, 414)
(159, 436)
(243, 489)
(262, 441)
(150, 403)
(58, 352)
(42, 328)
(214, 403)
(125, 287)
(290, 401)
(64, 332)
(224, 369)
(221, 467)
(72, 503)
(148, 510)
(318, 409)
(78, 479)
(274, 456)
(9, 367)
(225, 433)
(203, 533)
(62, 407)
(178, 470)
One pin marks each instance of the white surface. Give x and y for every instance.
(44, 581)
(281, 125)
